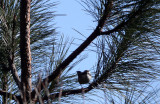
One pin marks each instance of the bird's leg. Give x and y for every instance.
(82, 89)
(83, 94)
(81, 86)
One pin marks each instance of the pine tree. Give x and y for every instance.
(127, 34)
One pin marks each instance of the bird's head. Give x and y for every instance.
(86, 72)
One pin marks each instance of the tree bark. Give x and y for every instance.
(25, 51)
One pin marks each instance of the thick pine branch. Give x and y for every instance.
(97, 32)
(56, 74)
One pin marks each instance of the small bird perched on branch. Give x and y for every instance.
(84, 77)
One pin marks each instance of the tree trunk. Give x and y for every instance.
(25, 51)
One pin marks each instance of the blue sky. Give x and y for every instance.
(76, 18)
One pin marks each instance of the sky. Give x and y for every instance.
(75, 18)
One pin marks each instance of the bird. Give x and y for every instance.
(84, 77)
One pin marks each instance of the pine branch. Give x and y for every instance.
(56, 74)
(12, 56)
(96, 33)
(69, 92)
(132, 16)
(14, 72)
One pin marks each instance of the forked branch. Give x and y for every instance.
(56, 74)
(98, 31)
